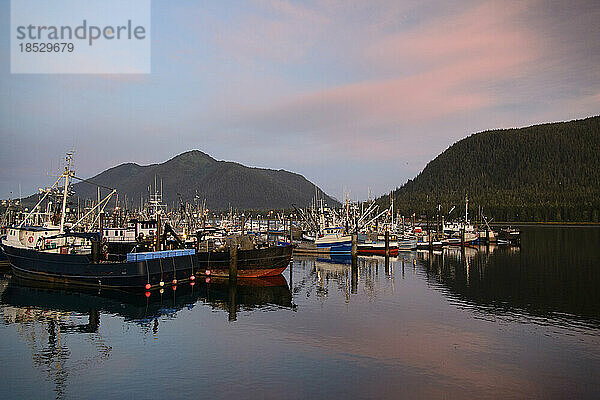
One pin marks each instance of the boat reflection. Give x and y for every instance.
(544, 282)
(551, 279)
(46, 313)
(245, 294)
(342, 273)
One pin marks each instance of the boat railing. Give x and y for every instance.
(133, 257)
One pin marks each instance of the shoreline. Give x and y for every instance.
(549, 224)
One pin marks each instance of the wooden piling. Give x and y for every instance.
(95, 251)
(101, 225)
(291, 267)
(354, 276)
(233, 259)
(354, 268)
(387, 244)
(232, 289)
(462, 237)
(387, 266)
(430, 237)
(157, 244)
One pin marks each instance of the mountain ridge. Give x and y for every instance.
(543, 172)
(193, 173)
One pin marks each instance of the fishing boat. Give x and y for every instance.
(334, 241)
(460, 232)
(487, 236)
(148, 269)
(331, 241)
(407, 243)
(509, 235)
(60, 254)
(251, 263)
(424, 243)
(377, 248)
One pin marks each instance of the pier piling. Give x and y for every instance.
(430, 237)
(232, 291)
(157, 245)
(354, 269)
(354, 276)
(387, 244)
(233, 259)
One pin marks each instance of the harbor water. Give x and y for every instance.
(479, 322)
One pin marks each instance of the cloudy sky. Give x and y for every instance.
(355, 95)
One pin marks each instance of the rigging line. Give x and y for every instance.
(92, 183)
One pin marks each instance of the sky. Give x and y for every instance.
(357, 96)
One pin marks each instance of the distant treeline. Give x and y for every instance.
(547, 172)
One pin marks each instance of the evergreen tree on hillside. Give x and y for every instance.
(548, 172)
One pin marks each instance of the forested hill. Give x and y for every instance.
(548, 172)
(221, 183)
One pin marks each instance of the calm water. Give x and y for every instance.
(496, 323)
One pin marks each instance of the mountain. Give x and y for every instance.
(221, 183)
(548, 172)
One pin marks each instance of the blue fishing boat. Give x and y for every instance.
(334, 241)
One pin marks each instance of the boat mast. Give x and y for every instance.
(466, 209)
(392, 208)
(99, 212)
(66, 174)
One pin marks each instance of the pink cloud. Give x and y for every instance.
(403, 79)
(277, 30)
(487, 30)
(458, 59)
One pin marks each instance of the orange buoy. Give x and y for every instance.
(174, 281)
(174, 287)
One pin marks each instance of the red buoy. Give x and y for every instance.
(174, 287)
(207, 280)
(207, 272)
(192, 277)
(192, 283)
(147, 294)
(148, 286)
(174, 281)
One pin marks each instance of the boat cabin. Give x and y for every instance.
(44, 238)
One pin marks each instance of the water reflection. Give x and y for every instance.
(245, 295)
(42, 327)
(45, 313)
(343, 274)
(553, 277)
(458, 323)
